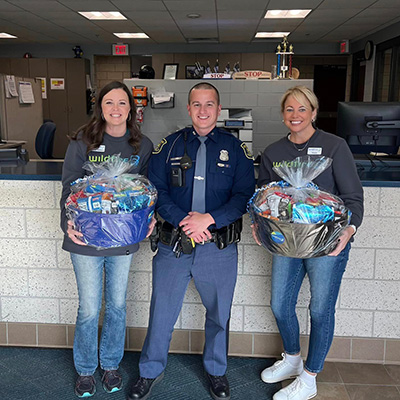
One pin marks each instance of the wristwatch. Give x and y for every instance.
(354, 228)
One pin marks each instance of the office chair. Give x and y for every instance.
(45, 140)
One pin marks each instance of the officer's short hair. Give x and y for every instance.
(206, 86)
(300, 93)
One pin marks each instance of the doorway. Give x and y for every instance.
(330, 88)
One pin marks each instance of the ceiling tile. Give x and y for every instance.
(32, 5)
(387, 4)
(293, 4)
(118, 26)
(241, 5)
(7, 6)
(146, 17)
(343, 4)
(165, 21)
(190, 6)
(139, 5)
(88, 5)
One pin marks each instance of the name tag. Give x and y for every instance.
(100, 149)
(314, 151)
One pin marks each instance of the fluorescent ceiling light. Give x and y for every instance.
(287, 13)
(269, 35)
(131, 35)
(4, 35)
(102, 15)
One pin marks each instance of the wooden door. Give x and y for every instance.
(38, 69)
(19, 67)
(77, 68)
(5, 66)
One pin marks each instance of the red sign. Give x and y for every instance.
(120, 50)
(344, 46)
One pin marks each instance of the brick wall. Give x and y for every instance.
(38, 296)
(111, 68)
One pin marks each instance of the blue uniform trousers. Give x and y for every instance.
(214, 272)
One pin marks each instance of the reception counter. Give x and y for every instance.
(38, 295)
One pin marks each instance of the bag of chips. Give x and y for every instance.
(293, 217)
(111, 207)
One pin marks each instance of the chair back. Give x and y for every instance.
(45, 140)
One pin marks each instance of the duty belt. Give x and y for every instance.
(181, 243)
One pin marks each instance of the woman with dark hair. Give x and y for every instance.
(299, 107)
(112, 130)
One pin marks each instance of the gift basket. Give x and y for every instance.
(293, 217)
(110, 207)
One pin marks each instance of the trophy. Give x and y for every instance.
(208, 68)
(284, 52)
(216, 66)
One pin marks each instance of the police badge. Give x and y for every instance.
(224, 155)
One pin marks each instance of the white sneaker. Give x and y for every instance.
(297, 390)
(281, 370)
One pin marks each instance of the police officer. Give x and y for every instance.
(204, 177)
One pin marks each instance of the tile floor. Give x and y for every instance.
(353, 381)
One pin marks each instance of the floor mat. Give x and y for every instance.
(44, 374)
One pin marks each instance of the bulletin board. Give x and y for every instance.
(21, 121)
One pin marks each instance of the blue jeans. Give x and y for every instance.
(89, 278)
(325, 275)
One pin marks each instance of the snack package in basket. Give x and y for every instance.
(293, 217)
(110, 207)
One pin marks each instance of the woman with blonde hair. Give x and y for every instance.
(299, 107)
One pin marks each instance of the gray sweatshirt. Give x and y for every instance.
(75, 157)
(340, 178)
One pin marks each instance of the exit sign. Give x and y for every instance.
(120, 49)
(344, 47)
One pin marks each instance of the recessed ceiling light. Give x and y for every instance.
(193, 15)
(102, 15)
(4, 35)
(287, 13)
(132, 35)
(269, 35)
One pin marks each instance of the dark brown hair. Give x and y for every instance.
(93, 131)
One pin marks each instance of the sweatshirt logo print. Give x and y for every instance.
(133, 159)
(291, 164)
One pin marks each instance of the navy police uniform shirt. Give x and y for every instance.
(230, 178)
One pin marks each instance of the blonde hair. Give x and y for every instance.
(301, 94)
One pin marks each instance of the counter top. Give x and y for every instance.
(378, 175)
(31, 171)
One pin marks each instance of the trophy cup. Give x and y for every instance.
(284, 52)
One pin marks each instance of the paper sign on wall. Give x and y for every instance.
(25, 92)
(43, 86)
(57, 83)
(10, 86)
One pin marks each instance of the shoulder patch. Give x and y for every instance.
(246, 151)
(159, 147)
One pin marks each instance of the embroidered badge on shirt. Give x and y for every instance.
(159, 147)
(247, 152)
(314, 151)
(224, 155)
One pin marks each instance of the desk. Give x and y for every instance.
(378, 171)
(11, 144)
(12, 151)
